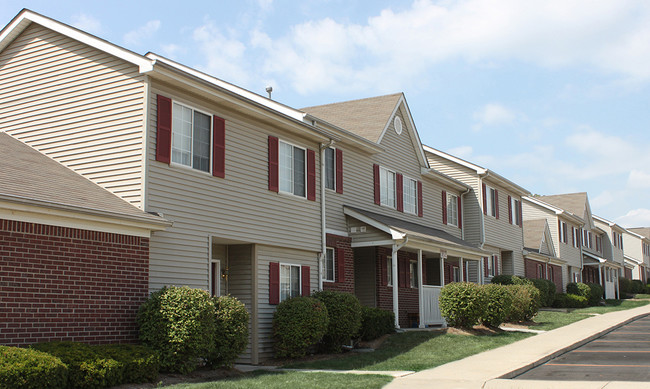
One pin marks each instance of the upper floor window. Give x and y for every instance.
(491, 201)
(452, 209)
(387, 187)
(410, 193)
(330, 168)
(563, 232)
(292, 169)
(191, 132)
(515, 210)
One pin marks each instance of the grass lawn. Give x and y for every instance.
(288, 380)
(548, 320)
(642, 296)
(415, 350)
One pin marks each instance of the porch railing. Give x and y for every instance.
(429, 306)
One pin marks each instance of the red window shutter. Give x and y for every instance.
(420, 210)
(509, 209)
(399, 186)
(218, 147)
(496, 265)
(306, 284)
(460, 213)
(311, 175)
(484, 199)
(164, 130)
(521, 214)
(340, 264)
(274, 154)
(375, 170)
(496, 203)
(383, 264)
(339, 171)
(444, 207)
(486, 271)
(274, 283)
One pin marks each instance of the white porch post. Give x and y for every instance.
(462, 269)
(420, 290)
(395, 279)
(600, 276)
(442, 271)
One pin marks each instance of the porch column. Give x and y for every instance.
(462, 269)
(420, 289)
(395, 285)
(600, 275)
(442, 271)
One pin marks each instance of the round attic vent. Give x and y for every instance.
(398, 125)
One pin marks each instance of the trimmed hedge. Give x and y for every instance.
(546, 290)
(179, 323)
(507, 279)
(344, 312)
(141, 364)
(462, 303)
(298, 324)
(624, 286)
(499, 304)
(638, 287)
(578, 288)
(563, 300)
(595, 294)
(23, 368)
(376, 322)
(231, 332)
(525, 302)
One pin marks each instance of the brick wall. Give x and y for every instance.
(60, 283)
(408, 297)
(341, 245)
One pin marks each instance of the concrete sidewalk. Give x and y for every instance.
(491, 369)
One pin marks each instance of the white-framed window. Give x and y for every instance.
(410, 195)
(292, 169)
(576, 237)
(452, 209)
(492, 265)
(516, 215)
(491, 200)
(330, 168)
(215, 277)
(551, 275)
(563, 232)
(456, 273)
(328, 266)
(540, 270)
(191, 137)
(413, 268)
(387, 187)
(389, 270)
(289, 281)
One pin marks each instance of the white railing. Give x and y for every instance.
(429, 307)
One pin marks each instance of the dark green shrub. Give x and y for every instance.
(507, 279)
(140, 363)
(231, 335)
(179, 323)
(298, 324)
(344, 312)
(499, 303)
(637, 287)
(578, 288)
(624, 286)
(462, 303)
(87, 368)
(595, 294)
(376, 322)
(569, 301)
(546, 290)
(525, 302)
(24, 368)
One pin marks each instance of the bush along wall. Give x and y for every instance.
(298, 324)
(344, 313)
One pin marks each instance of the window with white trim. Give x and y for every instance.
(414, 274)
(191, 137)
(540, 270)
(410, 195)
(387, 187)
(516, 215)
(292, 169)
(452, 209)
(492, 265)
(456, 274)
(389, 270)
(563, 232)
(491, 200)
(330, 168)
(289, 281)
(328, 266)
(576, 237)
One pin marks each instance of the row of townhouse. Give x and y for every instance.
(252, 198)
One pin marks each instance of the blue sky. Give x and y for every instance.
(553, 95)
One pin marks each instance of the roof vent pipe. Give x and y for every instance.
(269, 89)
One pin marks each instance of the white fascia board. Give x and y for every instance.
(22, 20)
(597, 258)
(501, 180)
(274, 105)
(395, 235)
(610, 224)
(415, 137)
(632, 260)
(479, 170)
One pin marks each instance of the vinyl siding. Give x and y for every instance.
(78, 105)
(240, 284)
(237, 208)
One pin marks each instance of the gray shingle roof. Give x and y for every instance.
(572, 202)
(533, 233)
(643, 231)
(365, 117)
(27, 175)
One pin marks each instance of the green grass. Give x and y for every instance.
(642, 296)
(288, 380)
(549, 320)
(614, 305)
(415, 351)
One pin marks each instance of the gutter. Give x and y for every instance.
(482, 235)
(323, 217)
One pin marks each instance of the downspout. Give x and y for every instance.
(323, 220)
(482, 237)
(395, 272)
(462, 204)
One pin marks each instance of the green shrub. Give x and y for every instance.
(525, 302)
(87, 368)
(298, 324)
(569, 301)
(624, 286)
(546, 290)
(499, 303)
(462, 303)
(344, 312)
(23, 368)
(595, 294)
(179, 323)
(231, 335)
(140, 363)
(507, 279)
(578, 288)
(376, 322)
(637, 287)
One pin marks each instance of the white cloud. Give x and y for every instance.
(493, 114)
(225, 55)
(635, 218)
(464, 152)
(638, 179)
(265, 5)
(172, 50)
(87, 23)
(135, 37)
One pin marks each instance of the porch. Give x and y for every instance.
(600, 271)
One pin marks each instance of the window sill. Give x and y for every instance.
(176, 165)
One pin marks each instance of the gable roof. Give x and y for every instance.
(533, 233)
(576, 203)
(643, 231)
(29, 177)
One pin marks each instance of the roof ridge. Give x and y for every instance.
(353, 100)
